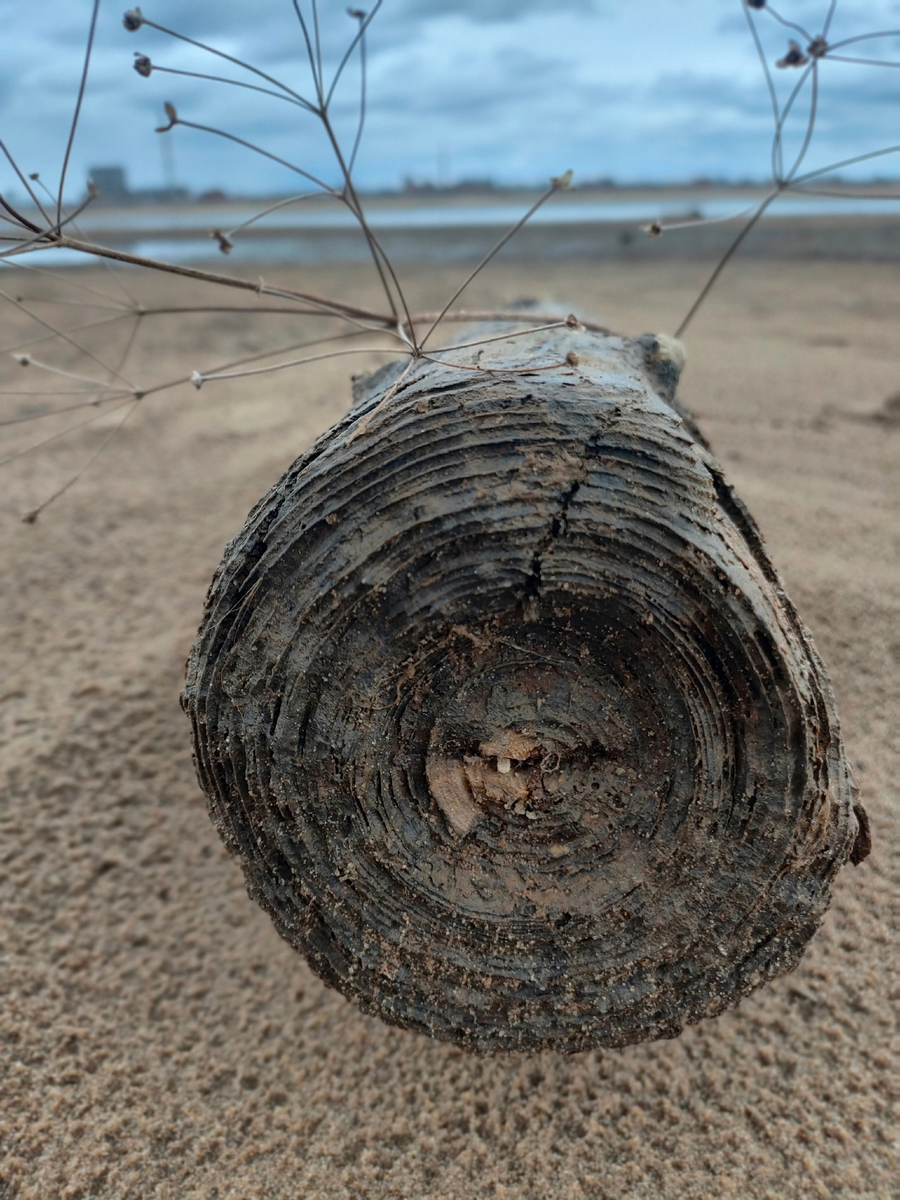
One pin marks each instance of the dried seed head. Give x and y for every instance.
(756, 3)
(359, 13)
(794, 57)
(197, 380)
(817, 48)
(572, 322)
(173, 118)
(92, 190)
(133, 20)
(572, 359)
(226, 245)
(24, 360)
(143, 65)
(562, 182)
(654, 229)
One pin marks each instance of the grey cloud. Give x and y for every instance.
(477, 90)
(492, 10)
(520, 96)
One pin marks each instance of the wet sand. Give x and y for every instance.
(158, 1040)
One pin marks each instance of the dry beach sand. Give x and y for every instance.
(158, 1040)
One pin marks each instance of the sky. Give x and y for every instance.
(512, 90)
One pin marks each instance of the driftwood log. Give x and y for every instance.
(505, 713)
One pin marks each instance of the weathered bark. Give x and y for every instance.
(503, 709)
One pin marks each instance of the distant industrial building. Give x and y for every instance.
(112, 184)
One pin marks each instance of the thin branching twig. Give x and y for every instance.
(81, 87)
(50, 227)
(817, 52)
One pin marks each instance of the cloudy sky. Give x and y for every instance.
(515, 90)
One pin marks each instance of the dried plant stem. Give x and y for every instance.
(296, 362)
(330, 307)
(55, 333)
(62, 334)
(864, 37)
(230, 58)
(847, 162)
(504, 337)
(529, 370)
(28, 188)
(269, 353)
(383, 264)
(777, 141)
(723, 262)
(31, 516)
(43, 237)
(471, 315)
(551, 191)
(58, 411)
(65, 432)
(239, 141)
(363, 91)
(81, 87)
(863, 62)
(358, 41)
(96, 384)
(788, 24)
(811, 124)
(398, 327)
(264, 212)
(250, 87)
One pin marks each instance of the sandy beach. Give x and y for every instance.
(158, 1041)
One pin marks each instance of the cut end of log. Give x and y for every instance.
(500, 704)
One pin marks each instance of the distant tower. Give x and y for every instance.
(111, 182)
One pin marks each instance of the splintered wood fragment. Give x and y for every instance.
(503, 709)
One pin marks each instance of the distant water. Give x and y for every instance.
(329, 234)
(448, 216)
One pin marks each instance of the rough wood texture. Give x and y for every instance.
(501, 705)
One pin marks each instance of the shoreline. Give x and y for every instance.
(847, 238)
